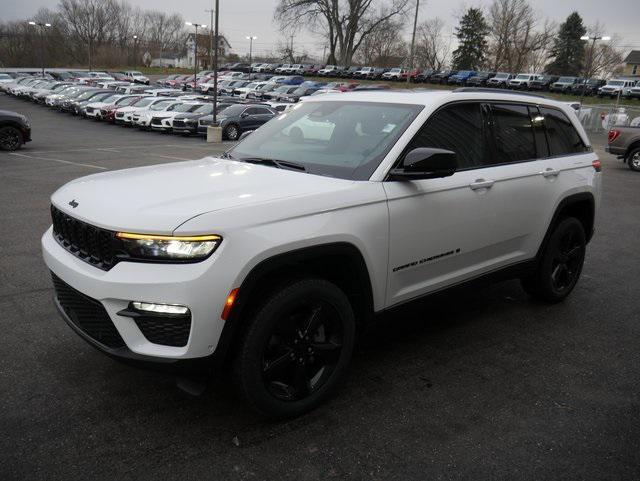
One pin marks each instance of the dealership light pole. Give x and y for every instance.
(135, 50)
(195, 52)
(42, 27)
(251, 38)
(593, 39)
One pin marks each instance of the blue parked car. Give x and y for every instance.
(461, 77)
(291, 80)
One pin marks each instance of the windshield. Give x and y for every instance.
(565, 80)
(204, 109)
(395, 70)
(86, 95)
(522, 76)
(143, 102)
(339, 139)
(616, 82)
(163, 104)
(186, 107)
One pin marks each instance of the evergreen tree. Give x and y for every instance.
(568, 50)
(472, 41)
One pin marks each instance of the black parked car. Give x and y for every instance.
(564, 84)
(423, 76)
(590, 86)
(480, 79)
(15, 130)
(543, 82)
(188, 122)
(297, 93)
(239, 118)
(442, 77)
(240, 67)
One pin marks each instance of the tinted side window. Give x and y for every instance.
(513, 134)
(459, 128)
(537, 120)
(563, 137)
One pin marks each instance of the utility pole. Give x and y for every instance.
(413, 41)
(42, 27)
(195, 52)
(251, 38)
(292, 59)
(211, 39)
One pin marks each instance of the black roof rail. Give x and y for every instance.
(488, 90)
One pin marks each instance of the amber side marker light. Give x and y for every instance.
(228, 305)
(597, 165)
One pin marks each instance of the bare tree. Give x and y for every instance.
(515, 36)
(344, 23)
(432, 46)
(601, 58)
(384, 46)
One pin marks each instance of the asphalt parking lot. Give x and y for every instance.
(478, 383)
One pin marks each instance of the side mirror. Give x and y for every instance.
(426, 163)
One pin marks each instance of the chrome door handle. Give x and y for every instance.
(549, 172)
(481, 184)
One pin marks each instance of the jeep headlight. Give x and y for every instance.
(168, 248)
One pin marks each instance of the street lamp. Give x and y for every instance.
(251, 39)
(195, 51)
(42, 27)
(135, 50)
(593, 39)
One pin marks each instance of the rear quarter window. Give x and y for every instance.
(563, 137)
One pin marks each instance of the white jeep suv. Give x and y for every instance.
(271, 255)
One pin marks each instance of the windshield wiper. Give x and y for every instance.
(281, 164)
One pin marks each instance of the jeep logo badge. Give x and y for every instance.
(73, 203)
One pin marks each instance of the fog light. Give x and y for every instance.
(160, 308)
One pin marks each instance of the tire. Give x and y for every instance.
(633, 159)
(232, 132)
(295, 349)
(561, 263)
(10, 138)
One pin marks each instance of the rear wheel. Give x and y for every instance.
(10, 138)
(561, 264)
(633, 159)
(296, 348)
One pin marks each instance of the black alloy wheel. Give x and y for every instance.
(296, 348)
(560, 264)
(10, 138)
(232, 132)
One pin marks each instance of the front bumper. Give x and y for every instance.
(193, 285)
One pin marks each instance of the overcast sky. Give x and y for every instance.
(239, 18)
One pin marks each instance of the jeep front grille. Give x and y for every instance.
(92, 244)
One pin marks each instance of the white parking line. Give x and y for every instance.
(91, 166)
(107, 149)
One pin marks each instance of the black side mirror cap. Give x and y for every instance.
(426, 163)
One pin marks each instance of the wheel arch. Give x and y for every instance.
(582, 206)
(341, 263)
(635, 144)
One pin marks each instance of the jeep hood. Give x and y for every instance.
(157, 199)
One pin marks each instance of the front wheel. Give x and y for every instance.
(232, 132)
(296, 348)
(633, 159)
(561, 263)
(10, 138)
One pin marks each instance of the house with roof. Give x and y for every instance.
(632, 63)
(186, 58)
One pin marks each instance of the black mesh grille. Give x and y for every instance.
(168, 331)
(156, 121)
(178, 123)
(91, 244)
(87, 314)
